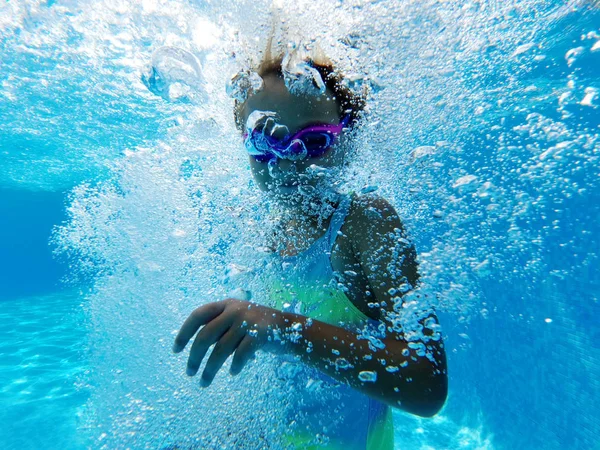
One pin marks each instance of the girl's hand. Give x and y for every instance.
(235, 326)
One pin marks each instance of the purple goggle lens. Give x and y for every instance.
(312, 141)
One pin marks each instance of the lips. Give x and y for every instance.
(289, 182)
(288, 187)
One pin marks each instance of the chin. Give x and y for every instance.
(287, 194)
(293, 189)
(296, 195)
(290, 194)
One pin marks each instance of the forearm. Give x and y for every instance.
(393, 374)
(390, 370)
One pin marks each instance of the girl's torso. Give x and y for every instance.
(336, 243)
(324, 281)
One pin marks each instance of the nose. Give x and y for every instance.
(285, 165)
(283, 169)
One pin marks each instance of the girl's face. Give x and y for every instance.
(286, 178)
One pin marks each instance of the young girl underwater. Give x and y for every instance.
(352, 343)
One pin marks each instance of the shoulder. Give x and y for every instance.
(379, 239)
(372, 211)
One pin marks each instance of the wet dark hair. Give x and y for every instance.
(348, 102)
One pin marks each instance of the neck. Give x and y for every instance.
(314, 206)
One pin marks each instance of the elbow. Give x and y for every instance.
(422, 387)
(424, 397)
(427, 401)
(431, 396)
(431, 406)
(435, 396)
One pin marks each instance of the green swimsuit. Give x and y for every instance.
(321, 412)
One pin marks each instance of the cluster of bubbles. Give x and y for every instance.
(176, 75)
(242, 84)
(481, 127)
(298, 74)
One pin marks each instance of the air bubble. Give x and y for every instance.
(464, 182)
(242, 84)
(367, 376)
(299, 76)
(342, 364)
(590, 95)
(572, 55)
(175, 75)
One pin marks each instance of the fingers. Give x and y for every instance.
(218, 328)
(225, 347)
(210, 334)
(199, 317)
(244, 351)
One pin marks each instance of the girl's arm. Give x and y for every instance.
(386, 366)
(410, 375)
(388, 371)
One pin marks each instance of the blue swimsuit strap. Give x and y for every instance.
(339, 216)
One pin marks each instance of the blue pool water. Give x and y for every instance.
(28, 219)
(124, 200)
(42, 361)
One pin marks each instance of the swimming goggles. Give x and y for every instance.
(311, 141)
